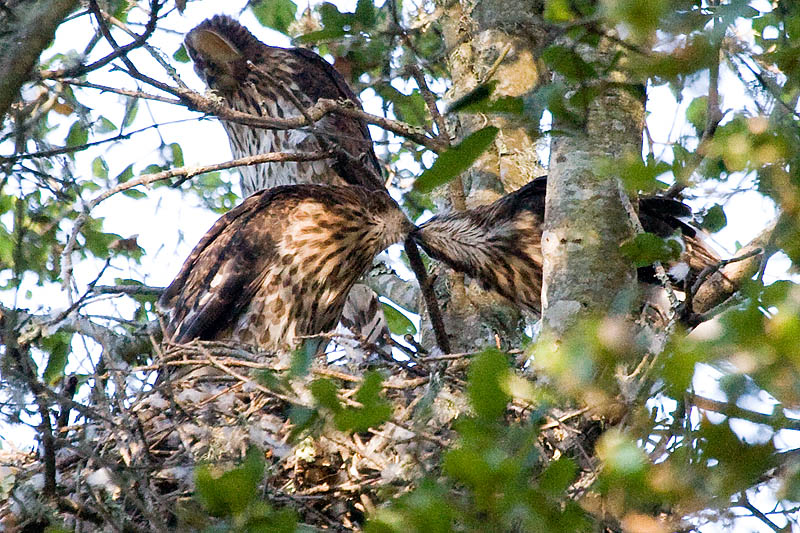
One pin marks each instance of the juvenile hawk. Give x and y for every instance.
(499, 244)
(277, 82)
(280, 265)
(255, 78)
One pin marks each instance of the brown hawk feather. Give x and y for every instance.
(280, 265)
(255, 78)
(499, 245)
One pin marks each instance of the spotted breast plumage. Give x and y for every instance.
(280, 265)
(499, 245)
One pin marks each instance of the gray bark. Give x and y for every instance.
(27, 29)
(585, 221)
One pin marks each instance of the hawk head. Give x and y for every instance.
(219, 48)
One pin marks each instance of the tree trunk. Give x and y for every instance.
(28, 28)
(585, 220)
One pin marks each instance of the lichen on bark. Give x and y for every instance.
(585, 221)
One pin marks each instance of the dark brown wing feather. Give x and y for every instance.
(321, 80)
(237, 248)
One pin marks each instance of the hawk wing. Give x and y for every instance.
(280, 264)
(223, 271)
(320, 79)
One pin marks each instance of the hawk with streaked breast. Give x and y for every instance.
(499, 244)
(280, 265)
(258, 79)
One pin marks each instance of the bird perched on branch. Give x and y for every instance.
(263, 80)
(499, 244)
(275, 82)
(280, 265)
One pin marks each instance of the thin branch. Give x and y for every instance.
(182, 172)
(138, 290)
(777, 421)
(119, 51)
(124, 92)
(415, 261)
(745, 502)
(79, 148)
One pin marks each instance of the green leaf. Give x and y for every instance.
(697, 112)
(275, 14)
(334, 25)
(558, 11)
(374, 411)
(131, 108)
(324, 392)
(647, 248)
(456, 160)
(230, 494)
(302, 358)
(479, 100)
(637, 175)
(133, 193)
(103, 125)
(558, 476)
(125, 175)
(151, 169)
(568, 63)
(100, 168)
(550, 97)
(485, 388)
(477, 96)
(181, 55)
(410, 108)
(58, 346)
(97, 241)
(78, 135)
(398, 323)
(714, 219)
(365, 13)
(177, 154)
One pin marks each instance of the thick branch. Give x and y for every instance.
(723, 283)
(585, 220)
(777, 420)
